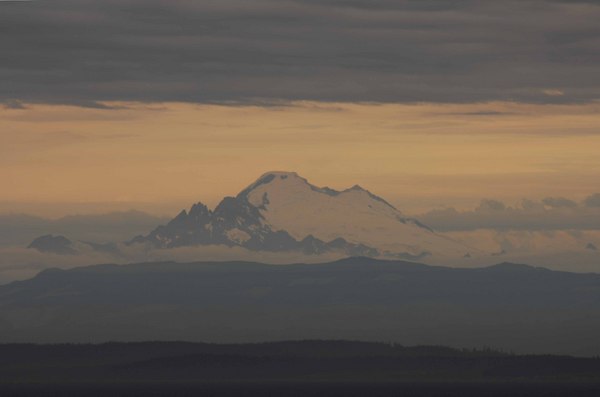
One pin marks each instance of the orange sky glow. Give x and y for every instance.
(163, 157)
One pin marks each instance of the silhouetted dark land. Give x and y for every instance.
(311, 366)
(513, 307)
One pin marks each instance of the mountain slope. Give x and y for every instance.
(288, 202)
(282, 211)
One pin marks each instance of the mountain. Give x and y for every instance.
(282, 211)
(514, 307)
(53, 244)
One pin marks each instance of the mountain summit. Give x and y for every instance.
(281, 211)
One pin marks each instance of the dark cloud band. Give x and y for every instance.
(233, 51)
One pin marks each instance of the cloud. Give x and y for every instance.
(86, 52)
(17, 263)
(551, 213)
(593, 201)
(13, 104)
(559, 202)
(565, 250)
(491, 205)
(551, 92)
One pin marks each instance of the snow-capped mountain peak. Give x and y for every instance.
(289, 202)
(290, 183)
(283, 211)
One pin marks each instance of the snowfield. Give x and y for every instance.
(289, 202)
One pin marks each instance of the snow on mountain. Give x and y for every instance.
(289, 202)
(282, 211)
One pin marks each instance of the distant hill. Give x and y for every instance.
(288, 361)
(513, 307)
(54, 244)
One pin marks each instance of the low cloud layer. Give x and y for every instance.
(561, 250)
(18, 263)
(84, 51)
(551, 213)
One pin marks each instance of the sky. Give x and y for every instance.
(154, 105)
